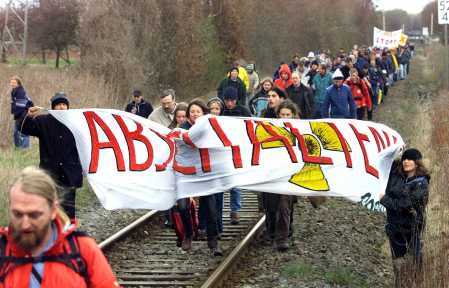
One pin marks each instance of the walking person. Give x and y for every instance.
(196, 109)
(19, 103)
(139, 106)
(216, 107)
(57, 149)
(405, 199)
(180, 115)
(320, 83)
(301, 95)
(260, 101)
(360, 94)
(338, 102)
(164, 114)
(40, 249)
(232, 108)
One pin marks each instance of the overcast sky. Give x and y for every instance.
(411, 6)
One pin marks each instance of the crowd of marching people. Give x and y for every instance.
(349, 85)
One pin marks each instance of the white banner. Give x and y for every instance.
(386, 39)
(131, 163)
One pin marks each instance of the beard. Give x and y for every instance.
(30, 240)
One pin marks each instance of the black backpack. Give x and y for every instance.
(71, 259)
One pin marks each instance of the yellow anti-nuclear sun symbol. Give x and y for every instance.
(263, 136)
(310, 176)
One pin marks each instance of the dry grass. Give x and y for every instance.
(436, 238)
(41, 82)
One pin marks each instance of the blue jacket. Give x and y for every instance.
(340, 102)
(20, 102)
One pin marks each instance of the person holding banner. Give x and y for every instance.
(196, 109)
(279, 207)
(406, 199)
(232, 108)
(57, 149)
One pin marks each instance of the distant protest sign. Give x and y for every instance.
(386, 39)
(132, 162)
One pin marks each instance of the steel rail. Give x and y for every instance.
(218, 276)
(111, 239)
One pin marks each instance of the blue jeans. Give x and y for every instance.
(219, 208)
(403, 71)
(317, 111)
(235, 200)
(20, 140)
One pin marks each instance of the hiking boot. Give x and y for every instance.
(187, 244)
(282, 246)
(235, 218)
(216, 251)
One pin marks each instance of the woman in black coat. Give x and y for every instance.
(405, 199)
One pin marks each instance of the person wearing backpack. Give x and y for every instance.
(260, 101)
(40, 248)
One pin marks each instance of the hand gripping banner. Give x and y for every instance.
(132, 162)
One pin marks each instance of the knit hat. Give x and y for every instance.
(137, 93)
(230, 93)
(215, 100)
(338, 75)
(280, 92)
(60, 97)
(411, 154)
(311, 55)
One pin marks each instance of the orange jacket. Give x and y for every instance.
(56, 274)
(360, 93)
(281, 83)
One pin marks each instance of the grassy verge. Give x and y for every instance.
(337, 276)
(11, 162)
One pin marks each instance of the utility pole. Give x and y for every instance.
(431, 24)
(25, 34)
(403, 28)
(8, 39)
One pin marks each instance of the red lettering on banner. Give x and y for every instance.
(276, 137)
(92, 118)
(306, 157)
(343, 143)
(236, 155)
(378, 138)
(204, 153)
(186, 170)
(395, 140)
(387, 138)
(171, 147)
(362, 137)
(130, 137)
(255, 159)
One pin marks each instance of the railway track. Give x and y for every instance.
(145, 255)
